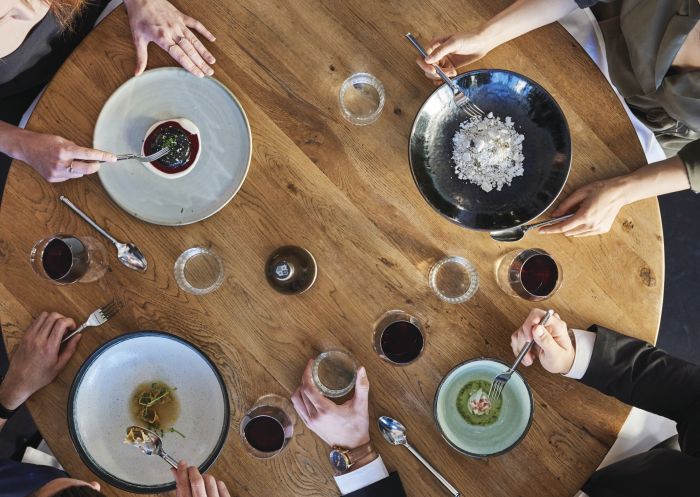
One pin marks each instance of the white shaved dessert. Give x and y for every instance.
(488, 152)
(188, 126)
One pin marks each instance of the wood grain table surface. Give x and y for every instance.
(346, 194)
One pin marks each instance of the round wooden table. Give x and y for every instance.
(346, 194)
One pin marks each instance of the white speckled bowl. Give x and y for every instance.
(509, 429)
(161, 94)
(99, 409)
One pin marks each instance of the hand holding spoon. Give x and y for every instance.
(127, 253)
(395, 433)
(149, 443)
(518, 232)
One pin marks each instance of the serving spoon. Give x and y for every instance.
(395, 433)
(518, 232)
(152, 446)
(127, 253)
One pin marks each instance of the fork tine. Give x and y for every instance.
(109, 310)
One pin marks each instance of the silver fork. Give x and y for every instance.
(145, 158)
(461, 99)
(500, 381)
(97, 318)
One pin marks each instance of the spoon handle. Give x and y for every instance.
(436, 474)
(439, 71)
(529, 344)
(168, 459)
(88, 219)
(547, 222)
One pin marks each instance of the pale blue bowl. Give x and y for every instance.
(483, 441)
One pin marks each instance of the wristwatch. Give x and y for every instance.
(343, 459)
(5, 413)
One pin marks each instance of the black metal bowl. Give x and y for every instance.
(547, 151)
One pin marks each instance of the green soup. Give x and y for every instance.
(470, 392)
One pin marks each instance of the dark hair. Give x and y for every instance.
(81, 491)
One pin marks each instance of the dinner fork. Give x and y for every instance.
(145, 158)
(97, 318)
(500, 381)
(461, 99)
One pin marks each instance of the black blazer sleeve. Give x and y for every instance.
(643, 376)
(388, 487)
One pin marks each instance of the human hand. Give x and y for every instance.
(552, 346)
(191, 483)
(38, 358)
(345, 425)
(57, 159)
(598, 205)
(158, 21)
(452, 52)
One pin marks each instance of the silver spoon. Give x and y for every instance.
(127, 253)
(151, 446)
(395, 433)
(518, 232)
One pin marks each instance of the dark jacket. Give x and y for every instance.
(641, 375)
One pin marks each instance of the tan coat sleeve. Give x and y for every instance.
(690, 155)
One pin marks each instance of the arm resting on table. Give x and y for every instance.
(641, 375)
(690, 155)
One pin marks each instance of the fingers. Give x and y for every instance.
(36, 325)
(572, 201)
(177, 53)
(46, 327)
(223, 491)
(532, 320)
(87, 154)
(361, 397)
(310, 407)
(300, 407)
(193, 54)
(436, 42)
(141, 55)
(59, 329)
(193, 23)
(206, 54)
(564, 226)
(68, 351)
(212, 489)
(517, 342)
(311, 392)
(81, 168)
(441, 50)
(196, 482)
(182, 480)
(547, 344)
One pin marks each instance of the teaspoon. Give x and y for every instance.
(395, 433)
(149, 443)
(518, 232)
(127, 253)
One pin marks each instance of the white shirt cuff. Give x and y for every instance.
(585, 340)
(362, 477)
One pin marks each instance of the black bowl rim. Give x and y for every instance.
(91, 464)
(494, 454)
(456, 80)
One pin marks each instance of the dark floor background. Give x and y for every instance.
(680, 322)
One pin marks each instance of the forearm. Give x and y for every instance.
(643, 376)
(10, 398)
(10, 137)
(524, 16)
(666, 176)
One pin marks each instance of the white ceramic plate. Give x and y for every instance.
(162, 94)
(509, 429)
(99, 409)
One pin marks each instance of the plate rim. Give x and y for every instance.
(466, 452)
(456, 80)
(77, 381)
(248, 161)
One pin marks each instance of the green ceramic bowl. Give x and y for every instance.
(509, 429)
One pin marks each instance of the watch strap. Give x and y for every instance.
(5, 413)
(359, 453)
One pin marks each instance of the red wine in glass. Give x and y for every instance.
(264, 433)
(401, 342)
(65, 259)
(539, 275)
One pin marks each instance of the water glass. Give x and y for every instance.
(334, 373)
(199, 271)
(362, 98)
(454, 279)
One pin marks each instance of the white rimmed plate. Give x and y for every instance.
(99, 409)
(162, 94)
